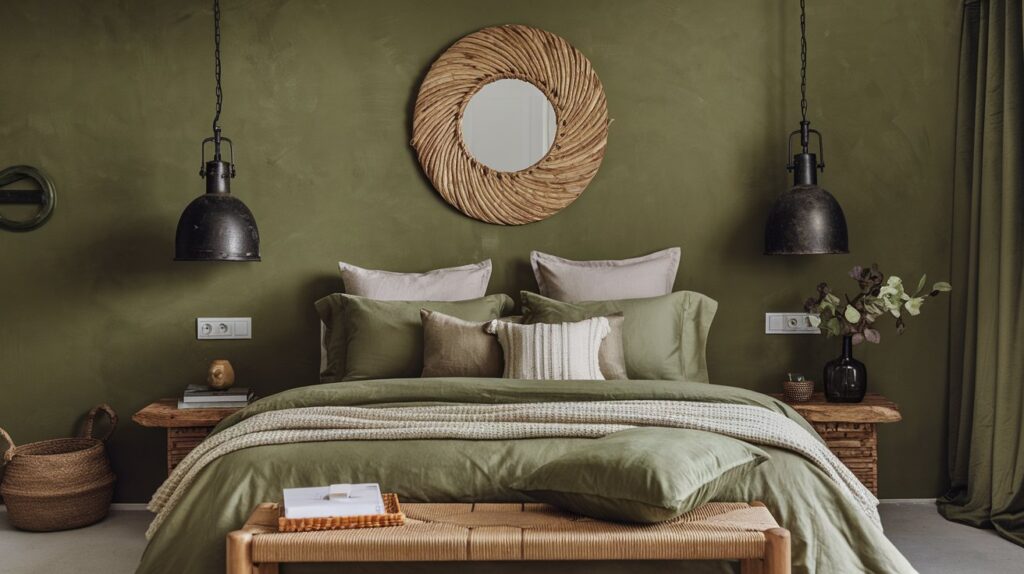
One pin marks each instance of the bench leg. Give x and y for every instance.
(239, 549)
(777, 555)
(239, 559)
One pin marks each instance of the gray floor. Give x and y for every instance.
(936, 545)
(932, 544)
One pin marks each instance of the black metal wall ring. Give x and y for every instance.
(45, 197)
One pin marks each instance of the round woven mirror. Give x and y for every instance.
(510, 126)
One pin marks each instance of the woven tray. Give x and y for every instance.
(393, 517)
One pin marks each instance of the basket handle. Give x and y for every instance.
(91, 418)
(9, 453)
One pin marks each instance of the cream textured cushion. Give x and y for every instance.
(563, 351)
(448, 284)
(561, 279)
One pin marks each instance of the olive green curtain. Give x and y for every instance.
(987, 335)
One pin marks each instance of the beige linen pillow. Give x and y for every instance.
(448, 284)
(544, 351)
(613, 350)
(561, 279)
(453, 347)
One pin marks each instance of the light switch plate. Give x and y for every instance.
(224, 328)
(789, 324)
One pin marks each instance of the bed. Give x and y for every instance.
(444, 397)
(831, 534)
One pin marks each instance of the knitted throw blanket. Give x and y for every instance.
(505, 422)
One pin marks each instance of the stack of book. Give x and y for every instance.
(333, 500)
(203, 397)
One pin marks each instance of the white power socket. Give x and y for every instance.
(789, 324)
(224, 328)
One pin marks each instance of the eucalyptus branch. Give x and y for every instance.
(878, 296)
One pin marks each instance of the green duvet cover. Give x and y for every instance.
(830, 534)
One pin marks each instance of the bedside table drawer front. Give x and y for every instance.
(181, 441)
(856, 444)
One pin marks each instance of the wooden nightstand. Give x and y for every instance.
(850, 430)
(186, 428)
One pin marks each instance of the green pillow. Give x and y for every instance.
(329, 309)
(372, 339)
(664, 337)
(648, 474)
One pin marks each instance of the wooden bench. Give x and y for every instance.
(518, 532)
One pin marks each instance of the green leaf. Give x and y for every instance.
(814, 320)
(942, 286)
(852, 314)
(833, 327)
(920, 284)
(913, 306)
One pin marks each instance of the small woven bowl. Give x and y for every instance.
(797, 391)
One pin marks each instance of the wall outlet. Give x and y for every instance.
(789, 324)
(224, 328)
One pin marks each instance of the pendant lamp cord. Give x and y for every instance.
(804, 124)
(216, 73)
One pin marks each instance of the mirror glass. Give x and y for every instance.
(509, 125)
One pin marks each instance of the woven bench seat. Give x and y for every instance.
(519, 532)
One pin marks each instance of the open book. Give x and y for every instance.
(315, 502)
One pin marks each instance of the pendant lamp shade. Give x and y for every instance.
(805, 219)
(217, 226)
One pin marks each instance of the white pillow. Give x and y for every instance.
(563, 351)
(571, 281)
(449, 284)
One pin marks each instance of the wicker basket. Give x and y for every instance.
(59, 484)
(393, 516)
(797, 391)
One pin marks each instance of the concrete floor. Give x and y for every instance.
(932, 544)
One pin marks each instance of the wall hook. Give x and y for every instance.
(45, 197)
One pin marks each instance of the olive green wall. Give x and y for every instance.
(113, 98)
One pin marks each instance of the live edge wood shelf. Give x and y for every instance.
(851, 430)
(186, 428)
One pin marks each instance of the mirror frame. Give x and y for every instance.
(562, 74)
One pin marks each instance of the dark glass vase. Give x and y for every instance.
(846, 378)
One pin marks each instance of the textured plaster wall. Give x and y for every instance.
(113, 98)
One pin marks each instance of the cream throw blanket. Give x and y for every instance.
(504, 422)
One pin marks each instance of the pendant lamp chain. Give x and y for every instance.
(804, 124)
(803, 61)
(216, 73)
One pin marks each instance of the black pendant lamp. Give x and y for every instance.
(806, 219)
(217, 226)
